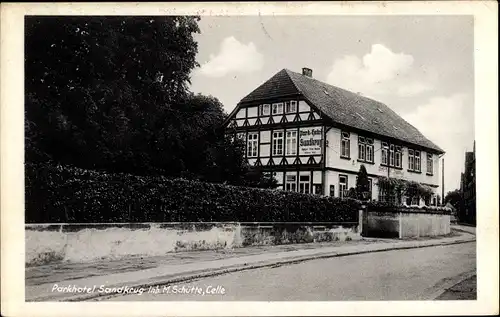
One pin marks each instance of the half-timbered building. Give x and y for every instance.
(313, 137)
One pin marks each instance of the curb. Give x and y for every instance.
(451, 284)
(165, 280)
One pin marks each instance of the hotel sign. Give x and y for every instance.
(310, 141)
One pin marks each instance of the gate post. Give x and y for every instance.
(362, 211)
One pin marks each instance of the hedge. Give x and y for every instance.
(67, 194)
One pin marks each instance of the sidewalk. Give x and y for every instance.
(465, 290)
(177, 267)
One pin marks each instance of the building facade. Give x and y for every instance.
(313, 137)
(467, 210)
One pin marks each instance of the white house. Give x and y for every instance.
(314, 137)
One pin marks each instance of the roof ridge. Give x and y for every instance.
(336, 87)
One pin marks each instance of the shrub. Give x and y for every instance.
(67, 194)
(388, 207)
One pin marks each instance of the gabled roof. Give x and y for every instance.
(341, 106)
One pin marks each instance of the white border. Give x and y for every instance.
(12, 177)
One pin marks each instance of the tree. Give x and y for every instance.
(362, 184)
(352, 193)
(255, 177)
(99, 89)
(111, 93)
(453, 197)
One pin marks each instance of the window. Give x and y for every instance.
(382, 194)
(345, 145)
(417, 161)
(332, 190)
(265, 109)
(361, 148)
(252, 144)
(291, 106)
(342, 186)
(278, 143)
(369, 150)
(291, 142)
(291, 183)
(385, 153)
(318, 189)
(365, 149)
(304, 186)
(429, 164)
(415, 201)
(411, 159)
(391, 155)
(387, 195)
(399, 157)
(278, 108)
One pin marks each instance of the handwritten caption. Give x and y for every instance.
(127, 290)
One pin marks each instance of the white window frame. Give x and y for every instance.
(291, 182)
(291, 142)
(365, 149)
(385, 153)
(398, 157)
(430, 164)
(253, 144)
(265, 109)
(345, 144)
(411, 159)
(277, 108)
(305, 185)
(369, 150)
(343, 187)
(278, 142)
(361, 148)
(417, 161)
(291, 106)
(392, 154)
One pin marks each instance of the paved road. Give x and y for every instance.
(413, 274)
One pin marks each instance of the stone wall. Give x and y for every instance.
(90, 242)
(406, 223)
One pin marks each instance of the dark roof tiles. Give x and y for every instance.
(342, 106)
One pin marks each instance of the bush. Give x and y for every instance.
(67, 194)
(388, 207)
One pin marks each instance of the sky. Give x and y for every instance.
(420, 66)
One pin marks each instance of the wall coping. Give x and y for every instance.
(124, 224)
(407, 210)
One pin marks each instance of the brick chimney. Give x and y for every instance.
(307, 72)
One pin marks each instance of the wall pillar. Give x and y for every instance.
(400, 225)
(360, 221)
